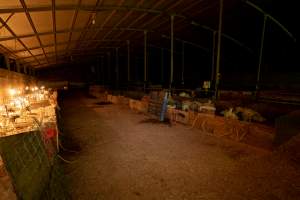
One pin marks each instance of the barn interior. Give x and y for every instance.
(156, 99)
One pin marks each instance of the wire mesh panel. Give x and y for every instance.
(27, 163)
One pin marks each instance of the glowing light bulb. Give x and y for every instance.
(18, 103)
(94, 18)
(12, 92)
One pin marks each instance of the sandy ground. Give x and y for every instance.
(122, 156)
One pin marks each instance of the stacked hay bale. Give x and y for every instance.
(139, 105)
(97, 90)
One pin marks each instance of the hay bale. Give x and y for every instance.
(103, 98)
(138, 105)
(125, 101)
(145, 99)
(260, 135)
(248, 114)
(115, 99)
(220, 126)
(142, 106)
(229, 114)
(154, 95)
(204, 122)
(216, 125)
(96, 90)
(109, 98)
(119, 99)
(291, 149)
(132, 104)
(176, 115)
(208, 109)
(236, 130)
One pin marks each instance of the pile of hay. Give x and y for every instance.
(243, 114)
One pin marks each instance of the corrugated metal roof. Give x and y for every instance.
(43, 32)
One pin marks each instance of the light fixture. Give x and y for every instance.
(194, 23)
(12, 92)
(94, 18)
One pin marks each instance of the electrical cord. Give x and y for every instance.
(66, 161)
(65, 149)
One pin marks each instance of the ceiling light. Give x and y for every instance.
(194, 23)
(12, 92)
(94, 18)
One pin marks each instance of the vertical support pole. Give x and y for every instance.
(128, 60)
(260, 55)
(109, 67)
(98, 72)
(7, 63)
(102, 69)
(162, 66)
(145, 59)
(18, 66)
(117, 67)
(219, 51)
(213, 56)
(172, 51)
(182, 64)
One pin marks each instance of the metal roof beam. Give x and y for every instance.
(54, 25)
(32, 25)
(108, 18)
(73, 23)
(86, 8)
(63, 43)
(75, 54)
(124, 18)
(88, 24)
(49, 53)
(15, 36)
(70, 30)
(156, 17)
(271, 18)
(60, 52)
(7, 50)
(187, 42)
(140, 17)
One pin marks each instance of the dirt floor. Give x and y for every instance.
(122, 154)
